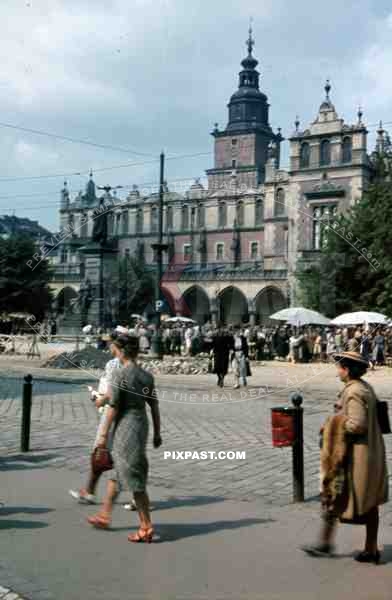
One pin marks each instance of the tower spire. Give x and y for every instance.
(250, 41)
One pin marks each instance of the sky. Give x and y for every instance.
(143, 76)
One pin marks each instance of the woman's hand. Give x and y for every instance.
(99, 401)
(157, 441)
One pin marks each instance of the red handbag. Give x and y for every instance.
(101, 460)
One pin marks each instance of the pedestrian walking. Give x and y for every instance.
(354, 473)
(239, 358)
(101, 397)
(132, 389)
(223, 344)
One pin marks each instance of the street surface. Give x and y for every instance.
(208, 499)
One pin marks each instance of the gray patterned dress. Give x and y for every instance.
(130, 388)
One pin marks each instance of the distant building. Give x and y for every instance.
(233, 246)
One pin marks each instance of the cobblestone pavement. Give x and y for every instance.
(64, 421)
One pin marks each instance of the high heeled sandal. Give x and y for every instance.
(99, 521)
(142, 536)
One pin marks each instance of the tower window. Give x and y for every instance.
(240, 214)
(233, 142)
(280, 208)
(154, 219)
(325, 153)
(187, 251)
(304, 155)
(220, 250)
(139, 220)
(254, 250)
(321, 219)
(201, 217)
(347, 150)
(233, 163)
(169, 218)
(222, 214)
(185, 217)
(258, 211)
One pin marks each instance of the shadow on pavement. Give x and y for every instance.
(12, 524)
(19, 462)
(27, 510)
(170, 532)
(179, 501)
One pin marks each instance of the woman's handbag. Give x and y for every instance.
(383, 417)
(101, 460)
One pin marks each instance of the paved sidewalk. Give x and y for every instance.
(210, 548)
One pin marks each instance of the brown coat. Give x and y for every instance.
(366, 469)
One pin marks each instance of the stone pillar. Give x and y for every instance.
(252, 312)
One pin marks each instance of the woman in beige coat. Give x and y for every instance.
(365, 470)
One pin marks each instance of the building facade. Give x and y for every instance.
(234, 244)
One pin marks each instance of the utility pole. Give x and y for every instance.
(159, 248)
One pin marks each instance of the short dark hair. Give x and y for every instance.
(129, 345)
(356, 369)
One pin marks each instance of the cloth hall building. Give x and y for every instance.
(233, 245)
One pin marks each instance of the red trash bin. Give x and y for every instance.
(283, 426)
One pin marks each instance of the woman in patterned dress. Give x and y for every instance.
(132, 388)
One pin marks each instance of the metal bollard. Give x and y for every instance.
(26, 413)
(298, 448)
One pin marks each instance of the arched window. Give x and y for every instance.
(201, 216)
(258, 211)
(169, 218)
(222, 214)
(347, 150)
(280, 208)
(139, 220)
(83, 225)
(185, 217)
(304, 155)
(154, 219)
(325, 153)
(125, 222)
(240, 213)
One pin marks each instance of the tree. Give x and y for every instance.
(355, 267)
(136, 287)
(24, 281)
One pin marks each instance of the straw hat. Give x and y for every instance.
(351, 355)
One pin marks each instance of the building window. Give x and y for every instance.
(280, 208)
(84, 225)
(347, 150)
(322, 216)
(304, 155)
(222, 214)
(125, 222)
(220, 251)
(185, 217)
(187, 252)
(254, 250)
(258, 211)
(140, 251)
(118, 217)
(233, 142)
(127, 253)
(110, 223)
(325, 153)
(201, 216)
(139, 220)
(234, 164)
(154, 219)
(240, 214)
(169, 218)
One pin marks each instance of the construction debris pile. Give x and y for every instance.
(91, 359)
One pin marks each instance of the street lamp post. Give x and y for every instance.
(159, 248)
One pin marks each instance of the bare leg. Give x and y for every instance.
(111, 495)
(143, 507)
(92, 482)
(372, 531)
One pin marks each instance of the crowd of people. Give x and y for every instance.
(286, 343)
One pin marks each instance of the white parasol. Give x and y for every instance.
(300, 316)
(180, 320)
(360, 318)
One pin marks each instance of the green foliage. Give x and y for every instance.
(23, 288)
(355, 267)
(136, 285)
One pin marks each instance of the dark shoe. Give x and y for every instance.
(319, 550)
(367, 557)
